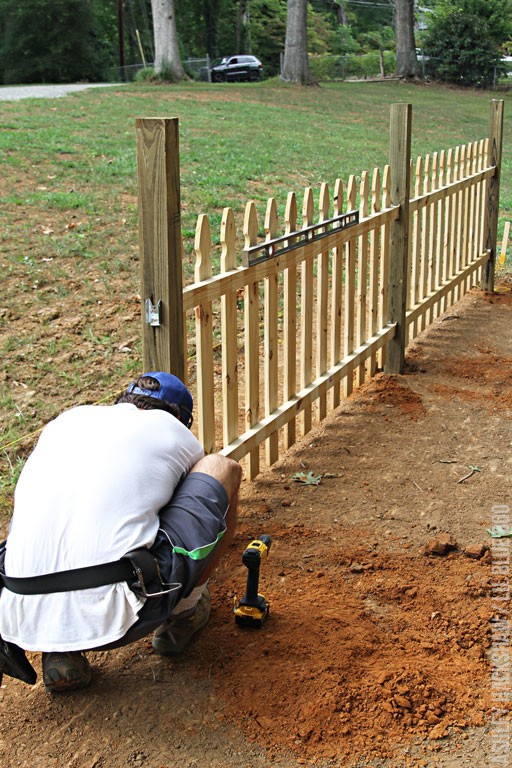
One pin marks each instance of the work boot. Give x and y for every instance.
(65, 671)
(174, 636)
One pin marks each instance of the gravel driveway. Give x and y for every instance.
(16, 92)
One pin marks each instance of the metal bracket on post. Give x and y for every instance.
(153, 313)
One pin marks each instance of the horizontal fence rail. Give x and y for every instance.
(275, 332)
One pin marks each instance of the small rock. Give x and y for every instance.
(476, 551)
(438, 731)
(441, 544)
(402, 701)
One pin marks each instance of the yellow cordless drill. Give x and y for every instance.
(252, 609)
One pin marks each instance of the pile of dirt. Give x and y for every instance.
(390, 392)
(364, 650)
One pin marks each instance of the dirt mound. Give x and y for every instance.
(364, 650)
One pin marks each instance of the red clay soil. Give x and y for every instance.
(375, 653)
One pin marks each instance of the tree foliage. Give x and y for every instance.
(464, 39)
(52, 42)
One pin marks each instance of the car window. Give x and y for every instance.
(233, 61)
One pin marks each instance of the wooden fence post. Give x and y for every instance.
(158, 167)
(400, 165)
(493, 190)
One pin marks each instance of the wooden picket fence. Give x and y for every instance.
(272, 341)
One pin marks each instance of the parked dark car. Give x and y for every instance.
(237, 68)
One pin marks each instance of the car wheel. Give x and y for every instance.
(218, 77)
(254, 76)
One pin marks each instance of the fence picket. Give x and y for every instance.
(229, 335)
(306, 314)
(448, 218)
(290, 322)
(425, 240)
(415, 291)
(384, 237)
(374, 267)
(433, 235)
(204, 338)
(337, 294)
(485, 207)
(480, 205)
(464, 218)
(350, 284)
(270, 336)
(455, 241)
(252, 343)
(362, 274)
(467, 203)
(440, 249)
(322, 294)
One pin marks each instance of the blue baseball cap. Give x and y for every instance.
(169, 388)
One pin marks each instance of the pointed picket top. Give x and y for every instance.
(456, 161)
(270, 224)
(442, 168)
(250, 224)
(202, 249)
(324, 203)
(418, 176)
(481, 153)
(338, 197)
(426, 176)
(469, 159)
(474, 166)
(290, 214)
(386, 187)
(376, 190)
(462, 172)
(449, 166)
(435, 170)
(351, 193)
(363, 194)
(308, 207)
(228, 240)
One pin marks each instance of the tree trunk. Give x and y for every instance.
(167, 52)
(406, 61)
(296, 65)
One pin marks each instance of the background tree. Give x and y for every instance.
(167, 51)
(296, 65)
(464, 37)
(58, 42)
(406, 61)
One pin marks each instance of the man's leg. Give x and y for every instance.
(229, 475)
(193, 611)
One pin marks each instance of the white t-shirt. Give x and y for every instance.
(89, 493)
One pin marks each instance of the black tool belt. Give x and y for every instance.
(138, 568)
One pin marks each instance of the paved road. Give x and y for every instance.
(15, 92)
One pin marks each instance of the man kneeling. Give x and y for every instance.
(118, 521)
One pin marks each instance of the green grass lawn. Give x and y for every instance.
(69, 241)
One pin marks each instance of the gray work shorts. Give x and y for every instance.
(191, 526)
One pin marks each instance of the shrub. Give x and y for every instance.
(464, 38)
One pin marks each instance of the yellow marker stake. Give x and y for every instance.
(503, 252)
